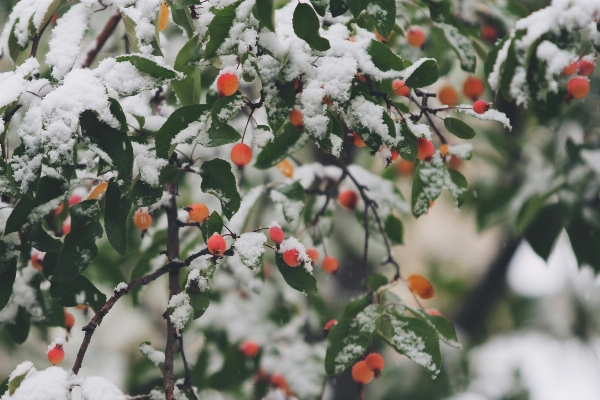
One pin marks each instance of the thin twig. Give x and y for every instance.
(187, 380)
(36, 40)
(102, 38)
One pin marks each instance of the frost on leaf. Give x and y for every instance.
(250, 248)
(180, 310)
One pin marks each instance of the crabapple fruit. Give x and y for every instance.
(578, 87)
(56, 354)
(290, 257)
(142, 220)
(415, 37)
(348, 199)
(425, 149)
(198, 212)
(481, 106)
(585, 67)
(570, 69)
(36, 261)
(361, 373)
(473, 87)
(216, 244)
(489, 34)
(329, 324)
(296, 118)
(375, 362)
(420, 286)
(249, 348)
(400, 88)
(330, 264)
(69, 320)
(241, 155)
(313, 254)
(276, 234)
(227, 84)
(448, 95)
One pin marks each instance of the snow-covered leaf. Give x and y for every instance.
(286, 143)
(250, 248)
(218, 180)
(443, 326)
(298, 278)
(422, 73)
(42, 241)
(180, 121)
(226, 108)
(461, 46)
(292, 198)
(143, 195)
(407, 148)
(383, 13)
(218, 29)
(77, 291)
(384, 58)
(146, 66)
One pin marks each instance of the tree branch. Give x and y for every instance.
(36, 40)
(102, 38)
(187, 377)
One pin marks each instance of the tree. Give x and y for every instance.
(118, 168)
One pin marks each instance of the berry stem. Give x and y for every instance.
(425, 112)
(187, 380)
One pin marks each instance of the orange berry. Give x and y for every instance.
(415, 37)
(56, 354)
(444, 150)
(405, 168)
(570, 69)
(296, 118)
(473, 87)
(36, 261)
(276, 234)
(69, 320)
(74, 199)
(578, 87)
(455, 162)
(313, 254)
(361, 77)
(489, 34)
(348, 199)
(380, 37)
(142, 220)
(375, 362)
(327, 101)
(361, 373)
(216, 244)
(395, 155)
(97, 191)
(241, 155)
(448, 95)
(330, 264)
(290, 257)
(358, 142)
(329, 324)
(434, 312)
(163, 16)
(249, 348)
(585, 67)
(420, 286)
(481, 106)
(198, 212)
(81, 307)
(227, 84)
(286, 168)
(400, 88)
(425, 149)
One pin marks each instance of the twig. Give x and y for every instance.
(36, 40)
(102, 38)
(187, 378)
(424, 111)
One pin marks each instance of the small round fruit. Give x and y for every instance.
(585, 67)
(578, 87)
(375, 362)
(216, 244)
(69, 320)
(249, 348)
(142, 220)
(56, 354)
(489, 34)
(290, 257)
(163, 16)
(425, 149)
(420, 286)
(405, 168)
(348, 199)
(74, 199)
(473, 87)
(280, 382)
(481, 106)
(327, 100)
(276, 234)
(329, 324)
(361, 373)
(415, 37)
(570, 69)
(330, 264)
(198, 212)
(227, 84)
(444, 150)
(296, 118)
(36, 261)
(313, 254)
(241, 155)
(434, 312)
(66, 226)
(448, 95)
(358, 142)
(395, 155)
(400, 88)
(361, 77)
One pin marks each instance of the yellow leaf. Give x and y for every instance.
(163, 16)
(286, 168)
(98, 190)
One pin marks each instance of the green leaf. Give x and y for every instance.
(461, 46)
(50, 192)
(394, 229)
(4, 385)
(509, 67)
(199, 299)
(306, 26)
(426, 188)
(19, 330)
(8, 187)
(265, 13)
(285, 144)
(218, 29)
(418, 341)
(298, 278)
(213, 224)
(9, 251)
(41, 240)
(77, 291)
(585, 240)
(443, 326)
(292, 199)
(354, 307)
(189, 89)
(148, 67)
(425, 74)
(543, 231)
(7, 279)
(14, 48)
(115, 217)
(79, 247)
(458, 128)
(383, 13)
(338, 7)
(179, 120)
(461, 186)
(488, 66)
(143, 195)
(319, 6)
(376, 281)
(226, 108)
(383, 57)
(407, 148)
(218, 180)
(182, 16)
(130, 26)
(220, 135)
(114, 147)
(117, 111)
(348, 339)
(356, 6)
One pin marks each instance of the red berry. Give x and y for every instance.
(198, 212)
(375, 362)
(276, 234)
(66, 227)
(329, 324)
(358, 142)
(330, 264)
(142, 220)
(405, 168)
(361, 373)
(296, 118)
(241, 155)
(395, 155)
(448, 95)
(348, 199)
(585, 67)
(578, 87)
(434, 312)
(415, 37)
(249, 348)
(425, 149)
(570, 69)
(481, 106)
(69, 320)
(36, 261)
(489, 34)
(420, 286)
(473, 87)
(400, 88)
(74, 199)
(279, 382)
(313, 254)
(216, 244)
(56, 354)
(290, 257)
(227, 84)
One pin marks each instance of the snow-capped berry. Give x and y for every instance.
(578, 87)
(142, 220)
(241, 155)
(348, 199)
(420, 286)
(216, 244)
(290, 257)
(448, 95)
(56, 354)
(425, 149)
(585, 67)
(570, 69)
(313, 254)
(361, 373)
(69, 320)
(473, 87)
(329, 324)
(198, 212)
(276, 234)
(330, 264)
(415, 37)
(481, 106)
(358, 142)
(400, 89)
(249, 348)
(375, 362)
(227, 84)
(163, 16)
(296, 118)
(36, 261)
